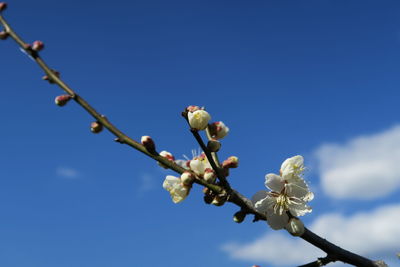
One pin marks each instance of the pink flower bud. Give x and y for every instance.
(3, 35)
(61, 100)
(148, 143)
(47, 78)
(187, 178)
(3, 6)
(37, 46)
(231, 162)
(218, 130)
(96, 127)
(167, 155)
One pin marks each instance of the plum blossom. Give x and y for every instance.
(176, 188)
(199, 119)
(289, 193)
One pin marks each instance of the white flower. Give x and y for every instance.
(176, 188)
(199, 164)
(199, 119)
(292, 167)
(289, 193)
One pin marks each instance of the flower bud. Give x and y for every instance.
(3, 35)
(198, 119)
(239, 216)
(295, 227)
(3, 6)
(148, 143)
(47, 78)
(96, 127)
(219, 200)
(214, 145)
(61, 100)
(218, 130)
(209, 175)
(37, 46)
(231, 162)
(167, 155)
(187, 179)
(192, 108)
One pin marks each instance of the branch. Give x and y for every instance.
(333, 251)
(318, 263)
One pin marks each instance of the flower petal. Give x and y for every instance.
(292, 167)
(277, 221)
(297, 188)
(298, 207)
(274, 182)
(197, 166)
(265, 204)
(258, 196)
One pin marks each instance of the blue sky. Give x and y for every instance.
(316, 78)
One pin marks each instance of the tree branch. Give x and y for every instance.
(235, 197)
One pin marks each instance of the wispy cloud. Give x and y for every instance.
(146, 183)
(374, 234)
(68, 173)
(366, 167)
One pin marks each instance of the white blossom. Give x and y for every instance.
(199, 119)
(199, 164)
(176, 188)
(289, 193)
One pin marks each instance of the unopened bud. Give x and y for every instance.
(214, 145)
(239, 216)
(231, 162)
(37, 46)
(187, 178)
(295, 227)
(208, 199)
(198, 119)
(3, 6)
(219, 200)
(148, 143)
(3, 35)
(218, 130)
(47, 78)
(166, 155)
(96, 127)
(209, 175)
(61, 100)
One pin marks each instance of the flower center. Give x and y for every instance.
(282, 204)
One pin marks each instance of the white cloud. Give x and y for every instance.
(366, 167)
(68, 173)
(374, 234)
